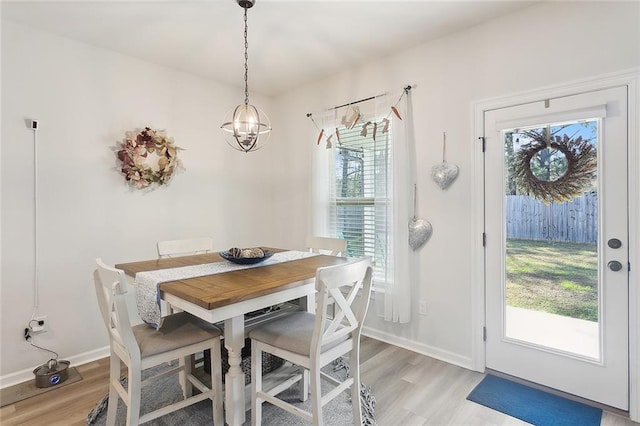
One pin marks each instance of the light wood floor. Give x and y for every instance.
(410, 389)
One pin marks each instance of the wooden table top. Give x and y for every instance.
(217, 290)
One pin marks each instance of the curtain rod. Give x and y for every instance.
(357, 102)
(406, 89)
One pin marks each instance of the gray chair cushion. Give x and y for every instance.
(292, 332)
(178, 330)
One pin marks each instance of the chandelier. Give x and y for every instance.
(247, 128)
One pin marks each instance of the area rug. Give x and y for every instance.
(22, 391)
(532, 405)
(167, 390)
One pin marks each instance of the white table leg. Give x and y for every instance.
(308, 302)
(234, 379)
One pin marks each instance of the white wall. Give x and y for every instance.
(85, 99)
(546, 44)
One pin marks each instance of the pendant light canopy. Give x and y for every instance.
(246, 128)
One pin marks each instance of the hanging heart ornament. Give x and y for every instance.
(443, 174)
(419, 232)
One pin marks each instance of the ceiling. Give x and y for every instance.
(290, 42)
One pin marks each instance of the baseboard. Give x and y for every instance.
(76, 360)
(430, 351)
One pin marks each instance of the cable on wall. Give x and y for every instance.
(36, 275)
(35, 324)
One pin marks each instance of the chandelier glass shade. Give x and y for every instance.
(246, 128)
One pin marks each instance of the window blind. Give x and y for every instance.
(360, 208)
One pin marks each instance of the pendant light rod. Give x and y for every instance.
(246, 57)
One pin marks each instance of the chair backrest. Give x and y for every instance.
(341, 283)
(111, 290)
(185, 247)
(332, 246)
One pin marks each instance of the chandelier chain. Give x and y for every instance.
(246, 60)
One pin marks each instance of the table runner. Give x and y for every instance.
(147, 284)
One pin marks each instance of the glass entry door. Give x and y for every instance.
(556, 224)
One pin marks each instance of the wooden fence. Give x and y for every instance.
(575, 221)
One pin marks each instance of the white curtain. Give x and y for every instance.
(402, 261)
(323, 182)
(395, 199)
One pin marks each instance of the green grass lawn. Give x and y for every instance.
(555, 277)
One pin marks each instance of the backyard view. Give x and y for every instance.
(552, 220)
(554, 277)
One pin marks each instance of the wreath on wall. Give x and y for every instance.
(148, 157)
(577, 177)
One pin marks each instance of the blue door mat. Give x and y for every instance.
(532, 405)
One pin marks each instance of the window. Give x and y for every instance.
(360, 212)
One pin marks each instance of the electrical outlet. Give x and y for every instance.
(38, 324)
(422, 307)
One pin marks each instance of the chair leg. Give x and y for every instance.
(114, 376)
(354, 364)
(304, 385)
(316, 395)
(187, 387)
(256, 384)
(134, 394)
(216, 383)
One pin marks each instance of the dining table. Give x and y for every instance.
(225, 297)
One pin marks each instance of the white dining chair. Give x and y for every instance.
(313, 341)
(327, 245)
(185, 247)
(332, 246)
(140, 347)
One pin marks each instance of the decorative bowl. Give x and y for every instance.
(246, 260)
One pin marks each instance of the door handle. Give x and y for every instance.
(614, 243)
(614, 265)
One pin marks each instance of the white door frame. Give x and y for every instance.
(629, 78)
